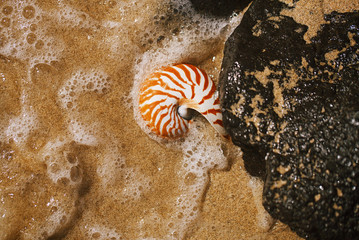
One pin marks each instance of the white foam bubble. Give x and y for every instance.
(191, 43)
(20, 127)
(26, 42)
(101, 232)
(201, 154)
(108, 166)
(72, 18)
(113, 169)
(83, 134)
(79, 83)
(60, 165)
(26, 203)
(264, 220)
(135, 184)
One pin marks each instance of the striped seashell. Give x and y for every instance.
(168, 94)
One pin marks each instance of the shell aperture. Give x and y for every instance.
(168, 94)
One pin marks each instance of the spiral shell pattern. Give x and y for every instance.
(167, 94)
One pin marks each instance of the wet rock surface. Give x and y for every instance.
(290, 96)
(220, 8)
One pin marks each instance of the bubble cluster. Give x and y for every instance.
(101, 233)
(80, 83)
(62, 163)
(113, 169)
(135, 184)
(201, 153)
(73, 18)
(25, 200)
(82, 133)
(177, 21)
(20, 127)
(21, 36)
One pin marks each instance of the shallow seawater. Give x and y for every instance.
(76, 160)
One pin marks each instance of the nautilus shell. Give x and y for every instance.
(168, 94)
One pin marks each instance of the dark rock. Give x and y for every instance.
(291, 102)
(220, 8)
